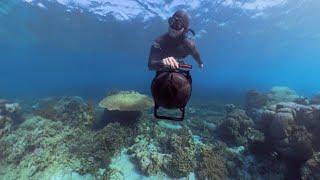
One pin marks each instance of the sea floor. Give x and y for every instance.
(70, 138)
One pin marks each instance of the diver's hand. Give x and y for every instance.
(170, 62)
(200, 66)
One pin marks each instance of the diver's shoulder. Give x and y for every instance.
(189, 42)
(162, 38)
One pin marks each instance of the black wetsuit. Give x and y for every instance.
(167, 46)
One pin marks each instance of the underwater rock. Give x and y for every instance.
(308, 116)
(302, 100)
(229, 107)
(44, 107)
(12, 108)
(210, 126)
(297, 146)
(3, 101)
(255, 99)
(261, 167)
(266, 119)
(315, 99)
(290, 129)
(169, 125)
(236, 128)
(257, 102)
(5, 126)
(280, 126)
(146, 154)
(13, 111)
(2, 121)
(10, 117)
(311, 169)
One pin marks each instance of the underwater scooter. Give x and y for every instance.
(171, 89)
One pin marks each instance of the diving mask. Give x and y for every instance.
(176, 23)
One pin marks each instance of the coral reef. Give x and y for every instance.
(13, 112)
(126, 118)
(126, 101)
(10, 117)
(212, 166)
(315, 99)
(115, 137)
(281, 94)
(44, 107)
(302, 100)
(290, 129)
(311, 169)
(145, 152)
(255, 100)
(182, 147)
(236, 128)
(124, 107)
(261, 167)
(70, 109)
(212, 143)
(74, 110)
(36, 146)
(229, 108)
(257, 103)
(40, 147)
(182, 163)
(167, 150)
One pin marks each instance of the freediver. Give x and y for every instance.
(174, 45)
(171, 88)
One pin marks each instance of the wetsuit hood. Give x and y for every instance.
(184, 16)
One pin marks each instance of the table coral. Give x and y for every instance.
(281, 94)
(126, 101)
(124, 107)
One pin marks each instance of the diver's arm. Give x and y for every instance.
(194, 52)
(155, 57)
(197, 57)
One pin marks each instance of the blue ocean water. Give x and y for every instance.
(82, 47)
(59, 59)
